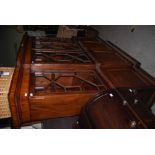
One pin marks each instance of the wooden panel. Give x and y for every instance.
(20, 54)
(27, 53)
(16, 120)
(97, 46)
(24, 96)
(123, 53)
(13, 95)
(109, 60)
(77, 67)
(127, 78)
(58, 105)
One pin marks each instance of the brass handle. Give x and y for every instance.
(136, 101)
(133, 124)
(125, 103)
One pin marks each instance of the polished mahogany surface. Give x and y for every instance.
(120, 109)
(57, 77)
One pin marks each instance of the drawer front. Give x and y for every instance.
(59, 105)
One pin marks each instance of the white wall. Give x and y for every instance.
(140, 44)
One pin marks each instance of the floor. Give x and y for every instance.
(58, 123)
